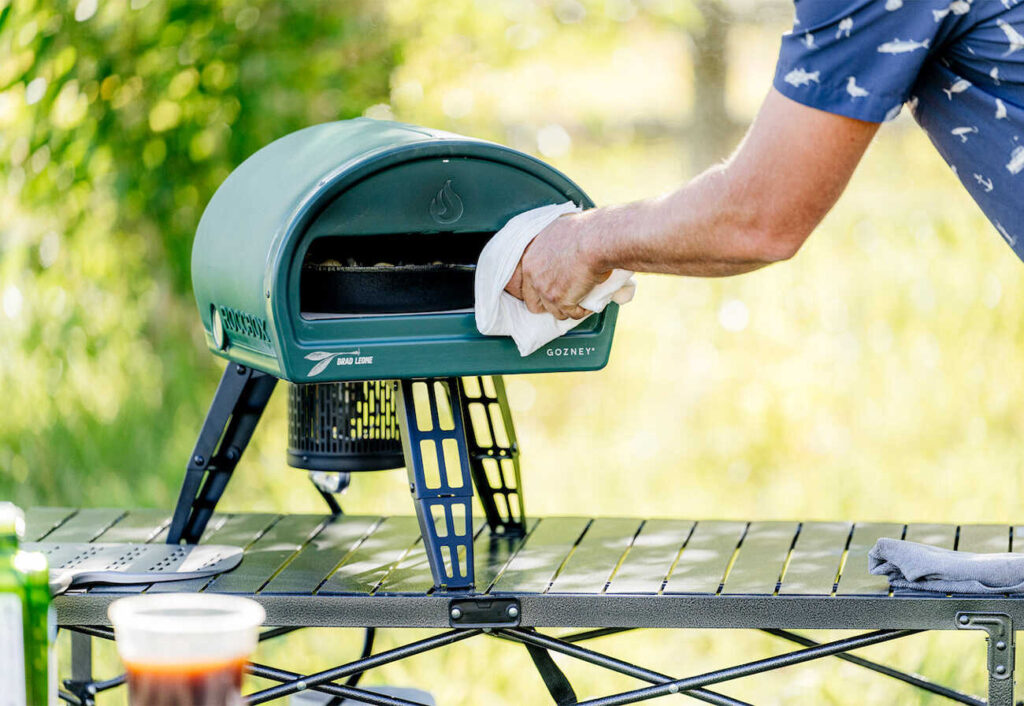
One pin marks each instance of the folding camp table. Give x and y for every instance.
(602, 575)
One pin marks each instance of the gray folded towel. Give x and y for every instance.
(925, 568)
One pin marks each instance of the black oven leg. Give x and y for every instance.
(237, 406)
(436, 458)
(493, 453)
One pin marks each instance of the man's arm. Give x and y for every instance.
(755, 209)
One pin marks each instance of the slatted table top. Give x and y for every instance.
(568, 571)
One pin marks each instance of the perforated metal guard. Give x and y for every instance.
(77, 564)
(439, 477)
(493, 453)
(344, 426)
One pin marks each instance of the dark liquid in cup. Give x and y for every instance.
(185, 685)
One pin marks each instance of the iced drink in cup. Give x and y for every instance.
(185, 649)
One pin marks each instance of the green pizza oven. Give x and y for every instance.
(347, 251)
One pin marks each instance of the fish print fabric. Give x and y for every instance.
(958, 65)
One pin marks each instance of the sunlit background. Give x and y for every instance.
(877, 376)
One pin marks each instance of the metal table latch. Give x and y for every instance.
(484, 612)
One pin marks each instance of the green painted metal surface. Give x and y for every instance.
(814, 564)
(85, 525)
(319, 557)
(367, 572)
(375, 558)
(936, 535)
(268, 554)
(546, 549)
(855, 579)
(704, 563)
(493, 553)
(762, 556)
(40, 521)
(138, 526)
(984, 538)
(651, 556)
(359, 178)
(597, 556)
(310, 554)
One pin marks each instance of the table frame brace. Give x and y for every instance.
(998, 628)
(1001, 642)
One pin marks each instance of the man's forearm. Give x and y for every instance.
(755, 209)
(706, 229)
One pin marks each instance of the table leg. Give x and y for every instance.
(81, 682)
(1000, 683)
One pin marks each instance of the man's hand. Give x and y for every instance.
(556, 273)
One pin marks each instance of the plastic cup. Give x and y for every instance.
(184, 649)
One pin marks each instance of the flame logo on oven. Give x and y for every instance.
(446, 207)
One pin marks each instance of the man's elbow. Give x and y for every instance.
(768, 230)
(772, 243)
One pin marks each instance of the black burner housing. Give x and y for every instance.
(344, 426)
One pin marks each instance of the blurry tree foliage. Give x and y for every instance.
(118, 120)
(481, 36)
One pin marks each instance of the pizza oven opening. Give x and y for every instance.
(397, 273)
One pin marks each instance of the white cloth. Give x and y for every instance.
(498, 313)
